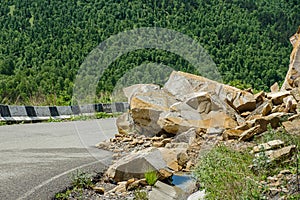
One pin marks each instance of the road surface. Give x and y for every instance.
(37, 160)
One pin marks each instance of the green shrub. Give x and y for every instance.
(2, 123)
(140, 195)
(81, 180)
(63, 195)
(151, 177)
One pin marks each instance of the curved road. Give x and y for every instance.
(37, 160)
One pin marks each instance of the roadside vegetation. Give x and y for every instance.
(228, 173)
(80, 181)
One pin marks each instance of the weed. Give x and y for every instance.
(54, 120)
(151, 177)
(261, 162)
(63, 195)
(102, 115)
(81, 180)
(140, 195)
(2, 123)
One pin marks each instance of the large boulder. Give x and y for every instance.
(242, 100)
(200, 110)
(145, 109)
(135, 165)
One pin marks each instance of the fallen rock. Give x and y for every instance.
(130, 91)
(182, 158)
(125, 123)
(166, 192)
(274, 144)
(170, 156)
(277, 97)
(136, 164)
(242, 100)
(99, 190)
(146, 108)
(280, 154)
(120, 188)
(274, 88)
(246, 135)
(199, 195)
(132, 184)
(292, 127)
(290, 104)
(232, 134)
(260, 98)
(164, 174)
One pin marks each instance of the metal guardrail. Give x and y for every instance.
(39, 113)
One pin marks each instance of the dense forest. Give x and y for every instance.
(43, 43)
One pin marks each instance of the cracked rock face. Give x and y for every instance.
(292, 78)
(186, 101)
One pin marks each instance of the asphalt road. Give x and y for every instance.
(37, 160)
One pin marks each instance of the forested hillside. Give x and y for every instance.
(43, 43)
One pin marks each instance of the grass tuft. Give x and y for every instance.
(151, 177)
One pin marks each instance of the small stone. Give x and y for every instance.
(129, 181)
(277, 97)
(189, 164)
(119, 135)
(143, 182)
(274, 191)
(274, 87)
(167, 140)
(155, 138)
(117, 150)
(147, 144)
(121, 187)
(274, 184)
(140, 142)
(127, 140)
(280, 175)
(285, 190)
(245, 114)
(249, 133)
(182, 158)
(280, 153)
(134, 142)
(133, 186)
(174, 166)
(267, 146)
(115, 155)
(164, 174)
(158, 144)
(285, 171)
(99, 190)
(272, 179)
(103, 145)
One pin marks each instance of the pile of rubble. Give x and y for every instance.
(166, 127)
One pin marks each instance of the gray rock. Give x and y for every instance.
(125, 123)
(199, 195)
(136, 164)
(138, 89)
(187, 137)
(166, 192)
